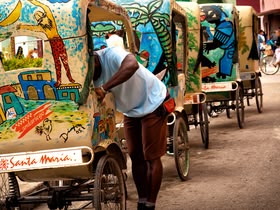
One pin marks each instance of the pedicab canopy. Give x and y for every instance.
(50, 119)
(219, 60)
(248, 39)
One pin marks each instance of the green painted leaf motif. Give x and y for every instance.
(162, 18)
(193, 45)
(154, 5)
(135, 7)
(101, 29)
(138, 14)
(191, 19)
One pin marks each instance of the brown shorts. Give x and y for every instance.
(146, 136)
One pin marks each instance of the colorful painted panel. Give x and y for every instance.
(152, 23)
(51, 106)
(193, 76)
(247, 44)
(219, 57)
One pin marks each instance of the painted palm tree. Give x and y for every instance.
(161, 23)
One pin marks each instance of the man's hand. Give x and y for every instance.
(100, 94)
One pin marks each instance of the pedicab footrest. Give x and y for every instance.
(194, 98)
(219, 86)
(42, 159)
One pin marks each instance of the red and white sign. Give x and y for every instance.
(40, 159)
(217, 86)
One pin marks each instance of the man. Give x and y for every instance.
(139, 95)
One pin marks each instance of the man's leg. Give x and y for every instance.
(154, 130)
(155, 171)
(132, 130)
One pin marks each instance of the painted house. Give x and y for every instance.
(10, 100)
(37, 85)
(69, 92)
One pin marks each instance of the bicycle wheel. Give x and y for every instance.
(181, 148)
(267, 65)
(240, 106)
(204, 125)
(109, 185)
(9, 188)
(259, 94)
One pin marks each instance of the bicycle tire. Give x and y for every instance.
(181, 148)
(259, 94)
(204, 125)
(109, 185)
(240, 107)
(266, 65)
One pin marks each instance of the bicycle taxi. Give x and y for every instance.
(219, 60)
(194, 98)
(157, 24)
(53, 130)
(248, 55)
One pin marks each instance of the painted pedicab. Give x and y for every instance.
(219, 60)
(156, 25)
(53, 129)
(194, 98)
(248, 55)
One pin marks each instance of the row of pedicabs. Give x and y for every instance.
(207, 56)
(61, 136)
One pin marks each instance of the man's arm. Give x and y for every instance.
(128, 67)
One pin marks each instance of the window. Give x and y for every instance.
(21, 52)
(8, 99)
(39, 77)
(65, 94)
(29, 77)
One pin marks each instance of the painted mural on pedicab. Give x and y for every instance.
(151, 22)
(247, 42)
(193, 76)
(219, 58)
(51, 105)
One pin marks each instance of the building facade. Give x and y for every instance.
(270, 15)
(268, 12)
(254, 3)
